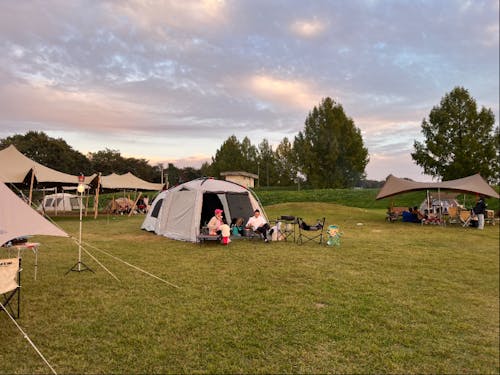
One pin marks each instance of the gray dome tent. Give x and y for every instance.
(180, 212)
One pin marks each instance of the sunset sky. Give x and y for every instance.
(170, 81)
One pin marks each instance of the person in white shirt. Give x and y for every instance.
(257, 223)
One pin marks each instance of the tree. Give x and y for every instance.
(173, 175)
(285, 163)
(228, 158)
(250, 156)
(330, 151)
(267, 164)
(111, 161)
(459, 140)
(108, 161)
(51, 152)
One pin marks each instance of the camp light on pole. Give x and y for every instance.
(81, 183)
(80, 266)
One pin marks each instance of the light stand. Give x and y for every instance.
(80, 266)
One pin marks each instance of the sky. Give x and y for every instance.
(170, 81)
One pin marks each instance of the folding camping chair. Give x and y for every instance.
(310, 232)
(453, 215)
(285, 226)
(10, 284)
(466, 216)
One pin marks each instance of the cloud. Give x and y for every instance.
(308, 28)
(398, 164)
(163, 18)
(283, 92)
(167, 80)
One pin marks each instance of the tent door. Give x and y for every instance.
(211, 201)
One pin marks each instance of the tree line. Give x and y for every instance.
(328, 153)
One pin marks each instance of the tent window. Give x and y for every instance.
(59, 200)
(75, 204)
(239, 205)
(156, 209)
(49, 202)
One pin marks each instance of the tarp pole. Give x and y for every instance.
(87, 203)
(135, 204)
(43, 202)
(440, 205)
(56, 202)
(31, 186)
(96, 200)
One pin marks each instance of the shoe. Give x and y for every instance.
(266, 240)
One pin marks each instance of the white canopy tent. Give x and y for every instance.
(180, 212)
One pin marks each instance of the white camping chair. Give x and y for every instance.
(10, 283)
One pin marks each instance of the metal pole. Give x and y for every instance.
(80, 234)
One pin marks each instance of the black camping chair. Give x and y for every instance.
(204, 236)
(310, 232)
(10, 284)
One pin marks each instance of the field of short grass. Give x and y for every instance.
(393, 298)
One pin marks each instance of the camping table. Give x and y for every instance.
(30, 246)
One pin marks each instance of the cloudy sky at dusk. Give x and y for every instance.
(169, 81)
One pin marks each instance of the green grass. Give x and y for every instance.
(393, 298)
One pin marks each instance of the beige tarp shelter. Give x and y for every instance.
(17, 219)
(127, 181)
(17, 168)
(474, 184)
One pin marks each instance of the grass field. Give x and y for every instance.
(393, 298)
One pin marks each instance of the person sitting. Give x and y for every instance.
(408, 216)
(418, 216)
(141, 206)
(257, 223)
(216, 226)
(237, 228)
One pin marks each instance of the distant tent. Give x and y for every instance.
(180, 212)
(17, 219)
(125, 181)
(443, 201)
(474, 184)
(59, 202)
